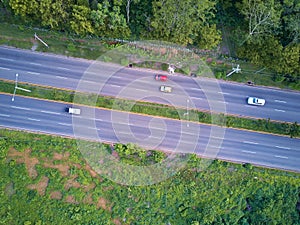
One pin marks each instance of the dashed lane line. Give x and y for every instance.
(49, 112)
(65, 124)
(281, 156)
(36, 64)
(60, 77)
(279, 110)
(7, 59)
(245, 151)
(34, 73)
(4, 68)
(282, 147)
(250, 142)
(279, 101)
(63, 68)
(22, 108)
(33, 119)
(4, 115)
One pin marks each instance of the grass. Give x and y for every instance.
(282, 128)
(47, 180)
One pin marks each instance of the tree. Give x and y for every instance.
(109, 22)
(181, 21)
(290, 21)
(80, 20)
(262, 16)
(27, 9)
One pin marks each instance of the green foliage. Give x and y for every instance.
(223, 193)
(184, 22)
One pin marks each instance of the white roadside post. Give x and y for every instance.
(36, 37)
(187, 112)
(16, 87)
(234, 70)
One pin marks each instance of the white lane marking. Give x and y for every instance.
(213, 146)
(248, 152)
(114, 85)
(223, 102)
(49, 112)
(279, 101)
(7, 59)
(141, 89)
(65, 124)
(3, 68)
(5, 115)
(61, 77)
(36, 64)
(117, 77)
(92, 73)
(280, 156)
(223, 93)
(196, 89)
(88, 81)
(282, 147)
(17, 107)
(217, 137)
(279, 110)
(63, 68)
(98, 119)
(250, 142)
(34, 73)
(33, 119)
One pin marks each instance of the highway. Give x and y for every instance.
(150, 132)
(139, 84)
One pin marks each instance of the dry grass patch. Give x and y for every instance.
(72, 183)
(103, 203)
(56, 195)
(24, 157)
(40, 186)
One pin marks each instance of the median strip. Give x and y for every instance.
(155, 109)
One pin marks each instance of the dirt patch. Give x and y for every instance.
(24, 157)
(116, 221)
(72, 183)
(88, 199)
(59, 156)
(92, 172)
(63, 169)
(56, 195)
(102, 203)
(41, 186)
(89, 187)
(71, 199)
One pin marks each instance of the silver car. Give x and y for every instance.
(256, 101)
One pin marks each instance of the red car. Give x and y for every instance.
(161, 77)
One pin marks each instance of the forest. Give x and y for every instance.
(45, 180)
(263, 32)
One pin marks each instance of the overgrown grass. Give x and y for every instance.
(65, 188)
(282, 128)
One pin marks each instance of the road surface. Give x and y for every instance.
(151, 132)
(139, 84)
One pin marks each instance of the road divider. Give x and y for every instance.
(155, 109)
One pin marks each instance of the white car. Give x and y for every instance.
(256, 101)
(72, 110)
(166, 89)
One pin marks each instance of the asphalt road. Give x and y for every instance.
(151, 132)
(134, 83)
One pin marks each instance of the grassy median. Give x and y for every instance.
(263, 125)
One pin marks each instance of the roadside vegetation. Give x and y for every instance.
(265, 125)
(45, 180)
